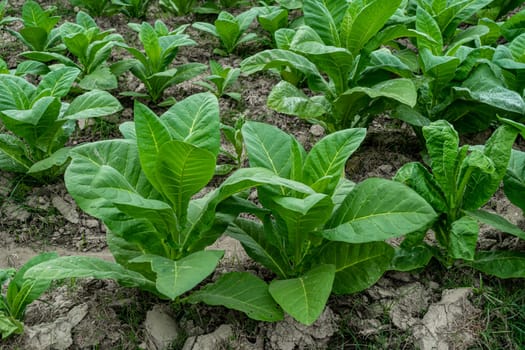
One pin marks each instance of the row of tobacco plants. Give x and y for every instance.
(444, 67)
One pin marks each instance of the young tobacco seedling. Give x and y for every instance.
(152, 67)
(178, 7)
(39, 32)
(337, 54)
(134, 8)
(20, 292)
(462, 180)
(40, 122)
(98, 8)
(273, 18)
(230, 29)
(143, 188)
(91, 47)
(329, 239)
(233, 135)
(222, 79)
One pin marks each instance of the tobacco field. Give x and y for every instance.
(237, 174)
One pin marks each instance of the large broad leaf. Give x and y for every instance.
(83, 267)
(441, 68)
(328, 157)
(101, 78)
(149, 38)
(325, 17)
(288, 99)
(366, 23)
(485, 87)
(400, 90)
(240, 291)
(425, 23)
(497, 222)
(59, 81)
(514, 180)
(442, 145)
(195, 120)
(258, 245)
(302, 216)
(13, 154)
(271, 148)
(15, 92)
(357, 266)
(502, 264)
(182, 171)
(482, 185)
(151, 134)
(280, 59)
(116, 162)
(378, 209)
(177, 277)
(417, 177)
(93, 104)
(337, 63)
(463, 237)
(304, 298)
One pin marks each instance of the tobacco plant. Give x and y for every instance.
(337, 55)
(462, 180)
(514, 180)
(19, 293)
(39, 32)
(152, 66)
(143, 188)
(178, 7)
(98, 7)
(216, 6)
(91, 47)
(40, 121)
(230, 29)
(460, 83)
(330, 239)
(222, 78)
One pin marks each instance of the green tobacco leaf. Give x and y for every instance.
(482, 185)
(84, 267)
(425, 23)
(182, 171)
(378, 209)
(357, 266)
(497, 222)
(417, 177)
(337, 63)
(57, 159)
(9, 326)
(177, 277)
(270, 148)
(116, 162)
(15, 92)
(367, 23)
(302, 216)
(42, 56)
(149, 38)
(258, 245)
(325, 17)
(59, 81)
(93, 104)
(442, 145)
(411, 258)
(463, 238)
(328, 157)
(101, 79)
(38, 286)
(151, 135)
(288, 99)
(240, 291)
(13, 154)
(441, 68)
(195, 120)
(304, 298)
(502, 264)
(514, 180)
